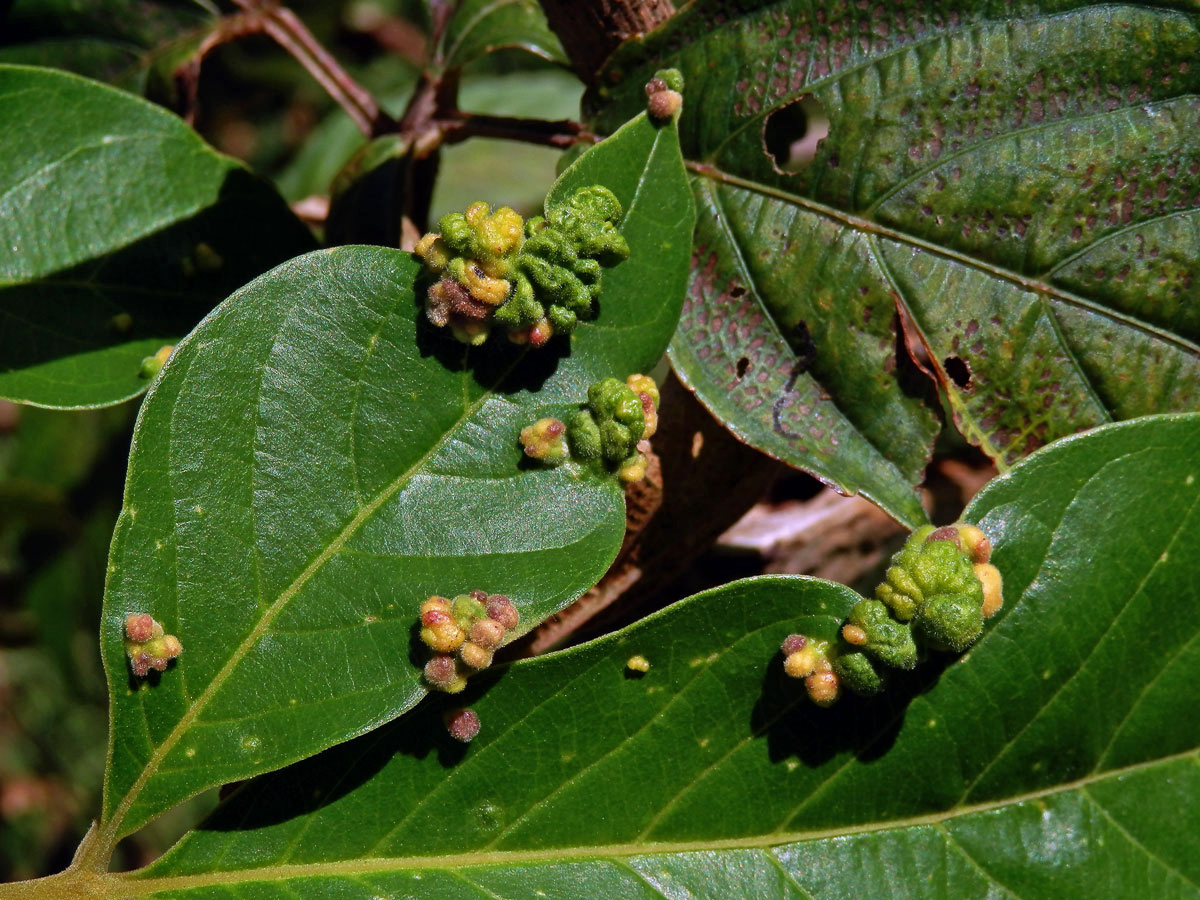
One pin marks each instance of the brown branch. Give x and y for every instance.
(187, 73)
(591, 31)
(286, 29)
(562, 133)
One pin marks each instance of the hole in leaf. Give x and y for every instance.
(958, 370)
(792, 133)
(743, 365)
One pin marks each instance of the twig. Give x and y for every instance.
(286, 29)
(561, 133)
(187, 73)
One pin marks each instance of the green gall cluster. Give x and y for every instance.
(609, 432)
(534, 279)
(463, 633)
(936, 594)
(147, 646)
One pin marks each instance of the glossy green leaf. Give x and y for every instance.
(1057, 759)
(122, 229)
(316, 460)
(1023, 180)
(479, 27)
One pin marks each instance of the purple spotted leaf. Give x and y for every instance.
(1012, 190)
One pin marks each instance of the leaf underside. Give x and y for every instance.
(121, 230)
(1021, 179)
(316, 460)
(1057, 759)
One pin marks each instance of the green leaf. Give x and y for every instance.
(1023, 180)
(127, 43)
(1057, 759)
(122, 228)
(479, 27)
(316, 460)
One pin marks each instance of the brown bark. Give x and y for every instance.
(590, 31)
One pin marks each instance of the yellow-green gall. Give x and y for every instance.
(475, 656)
(633, 469)
(852, 634)
(975, 542)
(638, 663)
(152, 365)
(802, 663)
(545, 440)
(823, 686)
(444, 637)
(993, 588)
(435, 604)
(643, 384)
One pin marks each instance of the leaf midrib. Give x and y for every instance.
(133, 885)
(110, 831)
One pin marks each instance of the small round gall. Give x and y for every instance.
(823, 687)
(445, 637)
(463, 724)
(654, 86)
(793, 643)
(664, 104)
(487, 633)
(852, 634)
(435, 617)
(139, 627)
(802, 663)
(475, 656)
(638, 663)
(170, 646)
(502, 610)
(975, 542)
(441, 670)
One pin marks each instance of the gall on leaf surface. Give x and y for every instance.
(121, 230)
(1056, 759)
(1021, 180)
(316, 460)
